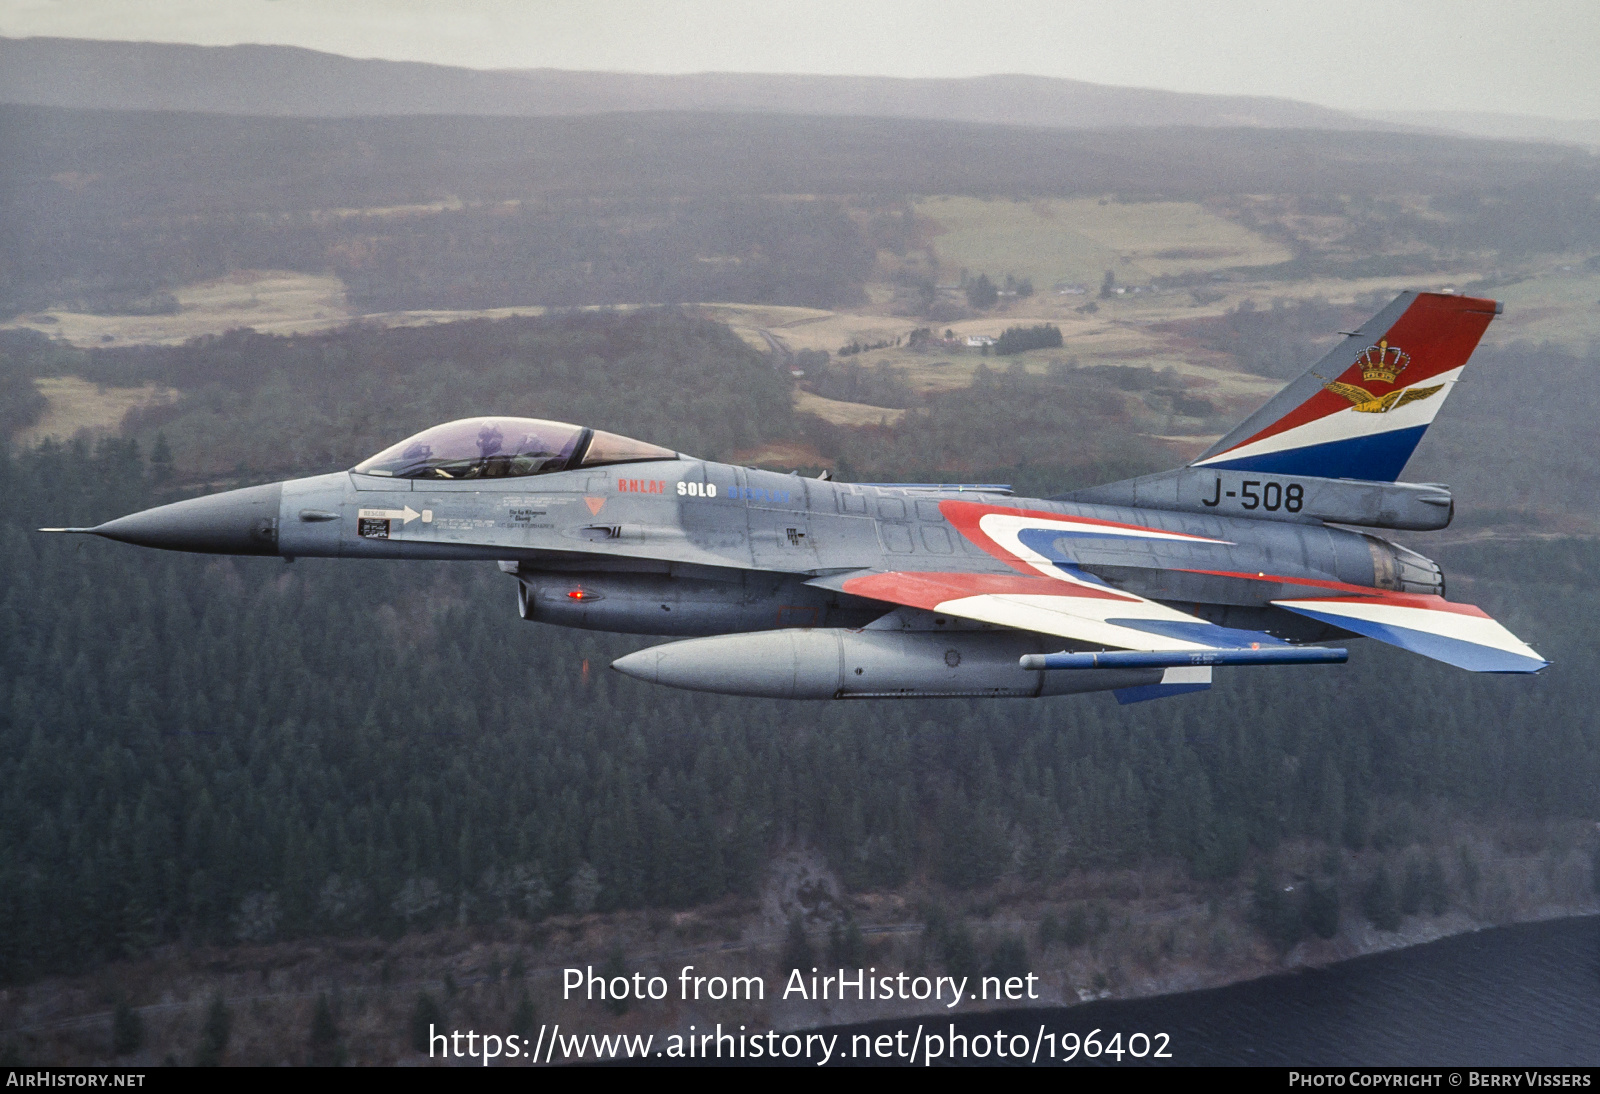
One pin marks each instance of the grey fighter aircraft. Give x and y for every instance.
(802, 588)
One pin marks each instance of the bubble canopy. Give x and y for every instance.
(503, 448)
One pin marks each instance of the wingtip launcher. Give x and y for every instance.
(1145, 659)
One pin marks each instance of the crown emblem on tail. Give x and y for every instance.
(1382, 362)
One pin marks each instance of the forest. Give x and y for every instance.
(1518, 439)
(268, 404)
(215, 750)
(327, 400)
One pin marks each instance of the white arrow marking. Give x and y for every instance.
(404, 516)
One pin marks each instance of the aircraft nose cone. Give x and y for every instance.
(236, 522)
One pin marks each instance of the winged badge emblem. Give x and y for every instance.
(1381, 363)
(1367, 403)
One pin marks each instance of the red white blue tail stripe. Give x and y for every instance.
(1360, 411)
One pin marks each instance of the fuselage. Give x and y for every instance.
(695, 547)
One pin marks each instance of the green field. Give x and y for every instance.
(1077, 241)
(1560, 303)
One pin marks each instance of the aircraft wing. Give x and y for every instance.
(1047, 594)
(1086, 612)
(1082, 611)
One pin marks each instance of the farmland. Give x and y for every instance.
(1076, 241)
(1550, 298)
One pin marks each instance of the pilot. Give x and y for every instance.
(490, 440)
(526, 458)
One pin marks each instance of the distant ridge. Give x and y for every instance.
(294, 82)
(1508, 127)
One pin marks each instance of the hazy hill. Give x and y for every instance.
(284, 80)
(1517, 127)
(625, 207)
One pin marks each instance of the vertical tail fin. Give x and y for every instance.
(1360, 411)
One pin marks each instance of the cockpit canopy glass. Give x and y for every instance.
(496, 448)
(609, 448)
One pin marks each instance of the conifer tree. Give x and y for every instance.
(325, 1047)
(797, 951)
(214, 1034)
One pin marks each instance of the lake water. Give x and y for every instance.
(1523, 995)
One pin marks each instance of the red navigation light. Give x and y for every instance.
(579, 594)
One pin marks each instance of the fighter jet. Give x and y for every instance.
(1253, 554)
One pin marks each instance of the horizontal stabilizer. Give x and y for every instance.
(1457, 634)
